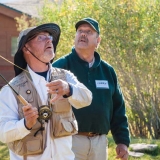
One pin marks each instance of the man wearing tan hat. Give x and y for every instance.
(107, 110)
(42, 128)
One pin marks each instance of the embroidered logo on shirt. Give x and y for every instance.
(102, 84)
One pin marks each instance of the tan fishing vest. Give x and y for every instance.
(62, 122)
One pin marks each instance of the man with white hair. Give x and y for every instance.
(42, 127)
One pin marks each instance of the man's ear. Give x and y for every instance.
(98, 39)
(25, 50)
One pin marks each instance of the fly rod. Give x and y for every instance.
(21, 99)
(13, 63)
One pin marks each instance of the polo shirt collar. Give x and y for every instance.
(96, 56)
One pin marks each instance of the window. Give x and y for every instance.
(13, 46)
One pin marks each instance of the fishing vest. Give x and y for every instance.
(62, 121)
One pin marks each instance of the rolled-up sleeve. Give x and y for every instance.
(11, 127)
(81, 96)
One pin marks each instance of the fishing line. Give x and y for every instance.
(13, 63)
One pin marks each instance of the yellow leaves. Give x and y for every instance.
(64, 13)
(89, 2)
(122, 2)
(24, 22)
(142, 30)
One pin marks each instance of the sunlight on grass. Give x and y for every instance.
(4, 154)
(148, 155)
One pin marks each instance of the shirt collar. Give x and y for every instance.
(91, 63)
(37, 78)
(97, 59)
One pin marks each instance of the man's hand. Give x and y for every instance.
(30, 115)
(122, 152)
(59, 88)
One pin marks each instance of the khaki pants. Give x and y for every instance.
(90, 148)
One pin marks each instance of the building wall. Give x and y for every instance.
(7, 31)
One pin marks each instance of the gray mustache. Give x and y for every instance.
(83, 39)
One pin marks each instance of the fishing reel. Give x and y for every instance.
(45, 113)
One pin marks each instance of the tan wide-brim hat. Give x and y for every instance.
(25, 35)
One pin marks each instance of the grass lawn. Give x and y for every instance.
(149, 155)
(154, 155)
(4, 154)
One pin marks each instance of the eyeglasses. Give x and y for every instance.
(43, 37)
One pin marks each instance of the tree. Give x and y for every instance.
(132, 45)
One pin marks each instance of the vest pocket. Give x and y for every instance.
(29, 145)
(34, 146)
(63, 124)
(67, 125)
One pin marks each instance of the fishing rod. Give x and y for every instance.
(22, 100)
(45, 111)
(12, 63)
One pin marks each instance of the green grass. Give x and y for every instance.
(148, 155)
(4, 154)
(154, 155)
